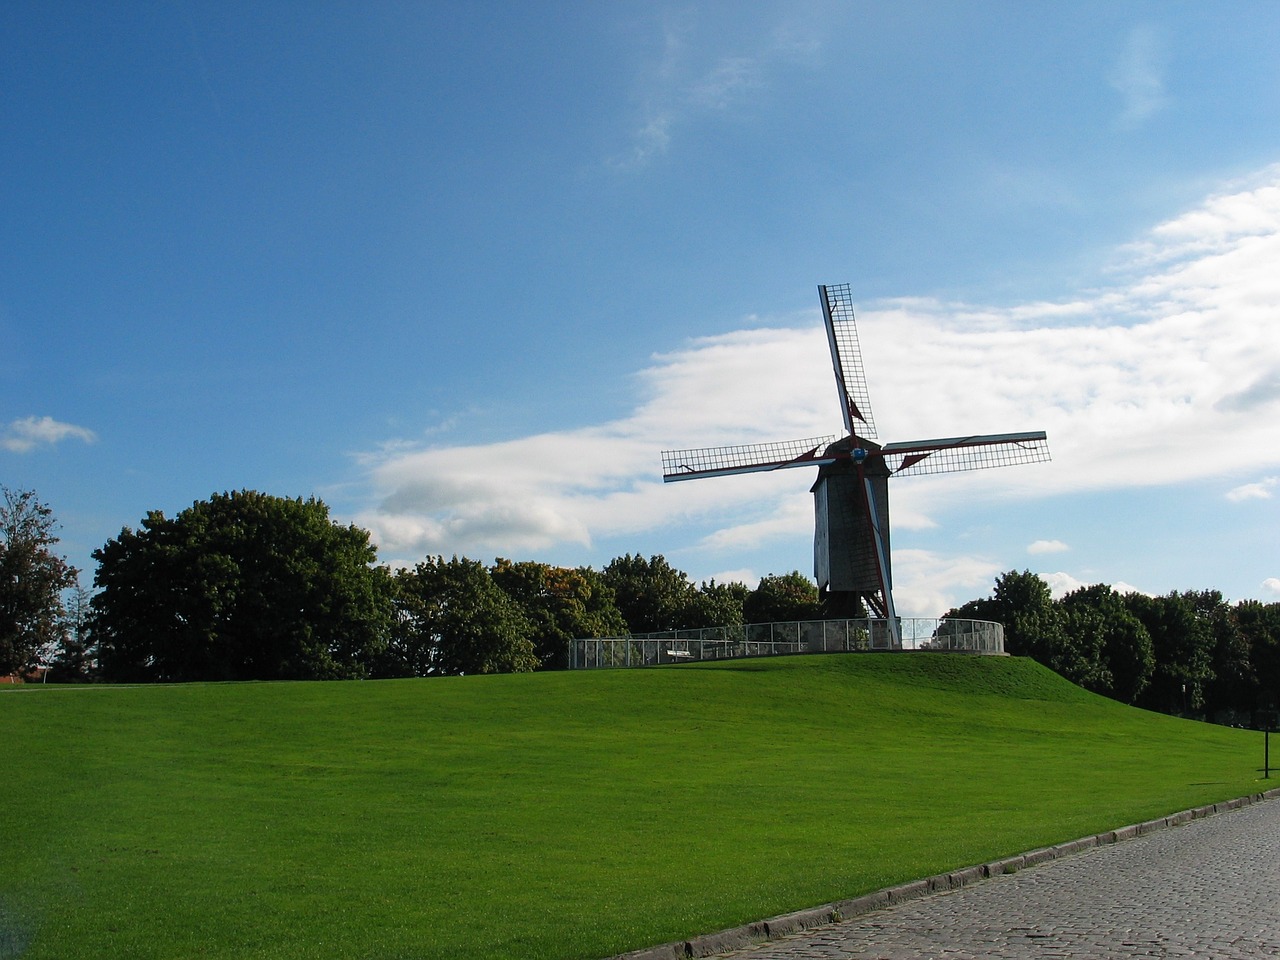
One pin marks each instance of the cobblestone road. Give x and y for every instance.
(1207, 889)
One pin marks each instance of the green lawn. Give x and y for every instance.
(561, 815)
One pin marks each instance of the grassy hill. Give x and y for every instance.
(565, 815)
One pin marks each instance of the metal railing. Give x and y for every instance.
(771, 639)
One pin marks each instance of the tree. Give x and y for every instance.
(1231, 692)
(651, 594)
(716, 605)
(1033, 623)
(242, 586)
(32, 579)
(1182, 642)
(1259, 626)
(1081, 658)
(73, 658)
(454, 619)
(561, 605)
(777, 599)
(1098, 619)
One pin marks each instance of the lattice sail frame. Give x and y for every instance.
(846, 359)
(953, 454)
(744, 458)
(913, 458)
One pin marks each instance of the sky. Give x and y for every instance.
(463, 270)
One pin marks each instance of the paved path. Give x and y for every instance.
(1208, 889)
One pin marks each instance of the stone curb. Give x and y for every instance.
(736, 938)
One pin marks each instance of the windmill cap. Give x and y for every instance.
(847, 446)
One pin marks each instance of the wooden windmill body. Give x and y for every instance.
(851, 557)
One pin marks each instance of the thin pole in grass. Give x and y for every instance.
(1268, 718)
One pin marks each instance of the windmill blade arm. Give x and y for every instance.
(951, 454)
(748, 458)
(846, 359)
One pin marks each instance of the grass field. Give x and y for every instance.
(559, 815)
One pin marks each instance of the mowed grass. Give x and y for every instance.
(560, 815)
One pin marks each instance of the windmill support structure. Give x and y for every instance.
(852, 560)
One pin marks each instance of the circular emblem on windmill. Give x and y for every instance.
(859, 454)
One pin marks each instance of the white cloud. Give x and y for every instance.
(1061, 583)
(781, 520)
(1138, 75)
(568, 487)
(1047, 546)
(1150, 380)
(1121, 587)
(745, 575)
(926, 583)
(1253, 491)
(24, 435)
(1272, 584)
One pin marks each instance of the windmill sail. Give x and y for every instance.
(746, 458)
(953, 454)
(846, 358)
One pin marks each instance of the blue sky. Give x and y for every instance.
(463, 270)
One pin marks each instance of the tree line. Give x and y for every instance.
(1188, 653)
(249, 586)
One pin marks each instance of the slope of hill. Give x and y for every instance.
(565, 815)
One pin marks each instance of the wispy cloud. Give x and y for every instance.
(1138, 75)
(1253, 491)
(1128, 380)
(1047, 546)
(686, 84)
(24, 435)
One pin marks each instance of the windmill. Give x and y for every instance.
(851, 495)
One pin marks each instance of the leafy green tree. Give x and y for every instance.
(651, 594)
(1231, 692)
(716, 605)
(453, 619)
(1111, 640)
(1182, 642)
(1081, 657)
(780, 598)
(561, 605)
(32, 580)
(1259, 626)
(73, 659)
(1033, 624)
(410, 649)
(242, 586)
